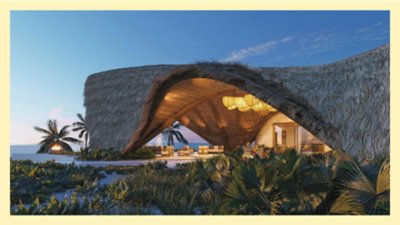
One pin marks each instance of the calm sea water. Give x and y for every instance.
(31, 149)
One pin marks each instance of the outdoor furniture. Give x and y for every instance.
(203, 149)
(167, 150)
(186, 150)
(216, 149)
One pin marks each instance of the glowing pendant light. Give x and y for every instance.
(251, 100)
(246, 103)
(258, 107)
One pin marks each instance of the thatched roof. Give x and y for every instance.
(345, 104)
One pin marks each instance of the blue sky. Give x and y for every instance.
(53, 52)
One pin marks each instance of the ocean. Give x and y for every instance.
(32, 149)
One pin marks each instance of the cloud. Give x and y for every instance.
(321, 41)
(370, 28)
(255, 50)
(313, 43)
(56, 114)
(372, 33)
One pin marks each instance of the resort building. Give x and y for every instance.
(343, 105)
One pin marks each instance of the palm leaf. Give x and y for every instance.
(383, 180)
(71, 139)
(345, 204)
(81, 133)
(63, 132)
(54, 126)
(66, 147)
(182, 139)
(81, 117)
(79, 124)
(176, 125)
(42, 130)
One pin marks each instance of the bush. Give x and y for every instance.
(30, 180)
(141, 153)
(100, 154)
(113, 155)
(281, 183)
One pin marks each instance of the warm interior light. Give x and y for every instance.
(56, 147)
(258, 107)
(251, 100)
(246, 103)
(244, 108)
(240, 103)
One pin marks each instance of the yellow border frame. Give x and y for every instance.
(8, 5)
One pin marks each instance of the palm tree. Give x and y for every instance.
(55, 139)
(81, 126)
(169, 133)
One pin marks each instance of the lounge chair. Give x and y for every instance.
(167, 150)
(186, 150)
(203, 149)
(216, 149)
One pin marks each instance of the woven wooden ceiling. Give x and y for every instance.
(197, 104)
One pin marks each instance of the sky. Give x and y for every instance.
(53, 52)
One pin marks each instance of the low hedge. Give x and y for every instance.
(114, 155)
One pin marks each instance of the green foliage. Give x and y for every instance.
(99, 154)
(82, 128)
(279, 183)
(289, 183)
(173, 132)
(31, 180)
(69, 206)
(53, 136)
(114, 155)
(141, 153)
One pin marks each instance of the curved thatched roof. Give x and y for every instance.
(345, 104)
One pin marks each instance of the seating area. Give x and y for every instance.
(169, 151)
(215, 149)
(185, 151)
(203, 150)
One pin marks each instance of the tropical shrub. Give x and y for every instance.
(69, 206)
(280, 183)
(114, 155)
(99, 154)
(141, 153)
(290, 183)
(31, 180)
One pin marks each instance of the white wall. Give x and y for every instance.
(265, 135)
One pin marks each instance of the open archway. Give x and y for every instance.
(193, 95)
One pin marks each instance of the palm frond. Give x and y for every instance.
(82, 133)
(63, 132)
(54, 126)
(176, 125)
(71, 139)
(383, 180)
(78, 124)
(81, 117)
(66, 147)
(43, 149)
(42, 130)
(345, 204)
(181, 138)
